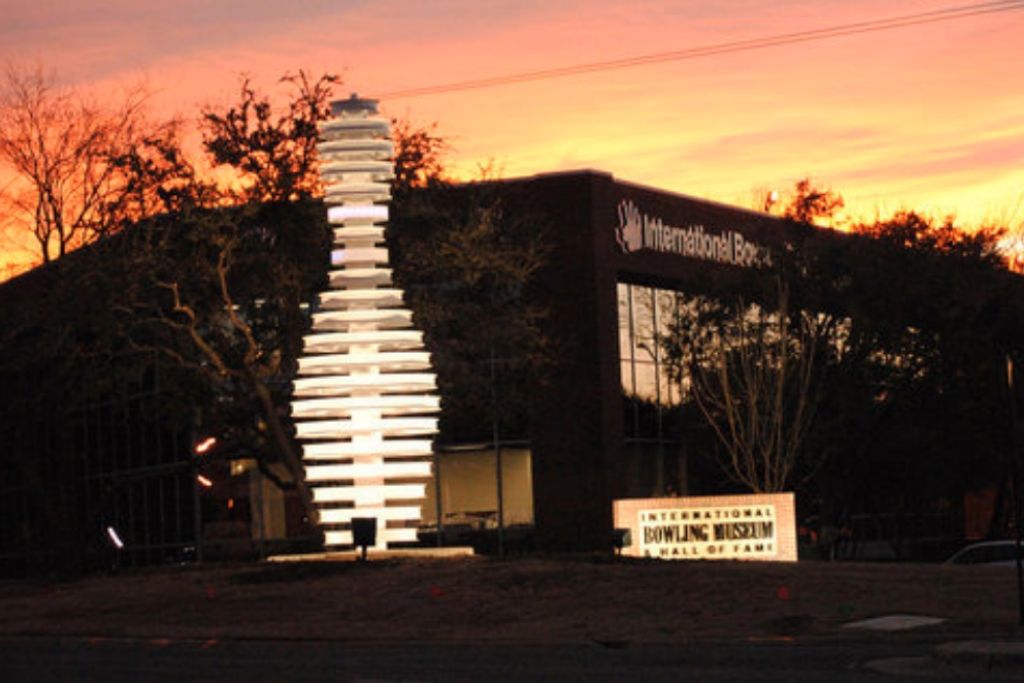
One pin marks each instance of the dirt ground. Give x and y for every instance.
(607, 600)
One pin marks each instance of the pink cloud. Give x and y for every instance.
(857, 110)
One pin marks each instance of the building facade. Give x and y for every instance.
(618, 251)
(608, 419)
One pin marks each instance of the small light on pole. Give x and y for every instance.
(115, 538)
(205, 445)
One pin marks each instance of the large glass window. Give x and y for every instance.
(655, 457)
(645, 318)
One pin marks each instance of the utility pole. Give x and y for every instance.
(1015, 484)
(498, 474)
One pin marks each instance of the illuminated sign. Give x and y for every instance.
(755, 527)
(637, 230)
(708, 533)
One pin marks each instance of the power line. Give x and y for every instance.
(934, 16)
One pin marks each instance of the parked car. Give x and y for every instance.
(988, 553)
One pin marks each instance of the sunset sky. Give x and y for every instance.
(929, 117)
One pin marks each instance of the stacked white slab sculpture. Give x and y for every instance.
(363, 406)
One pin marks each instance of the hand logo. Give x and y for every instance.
(630, 232)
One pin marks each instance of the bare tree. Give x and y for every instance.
(810, 204)
(238, 355)
(419, 153)
(157, 177)
(59, 147)
(1011, 246)
(766, 199)
(274, 154)
(756, 384)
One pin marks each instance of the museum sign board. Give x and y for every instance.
(743, 527)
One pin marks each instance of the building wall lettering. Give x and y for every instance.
(637, 230)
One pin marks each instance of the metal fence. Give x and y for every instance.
(91, 483)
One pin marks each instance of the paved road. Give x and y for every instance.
(84, 659)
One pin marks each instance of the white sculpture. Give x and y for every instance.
(363, 406)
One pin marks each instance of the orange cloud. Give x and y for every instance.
(923, 116)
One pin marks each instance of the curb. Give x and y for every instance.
(975, 655)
